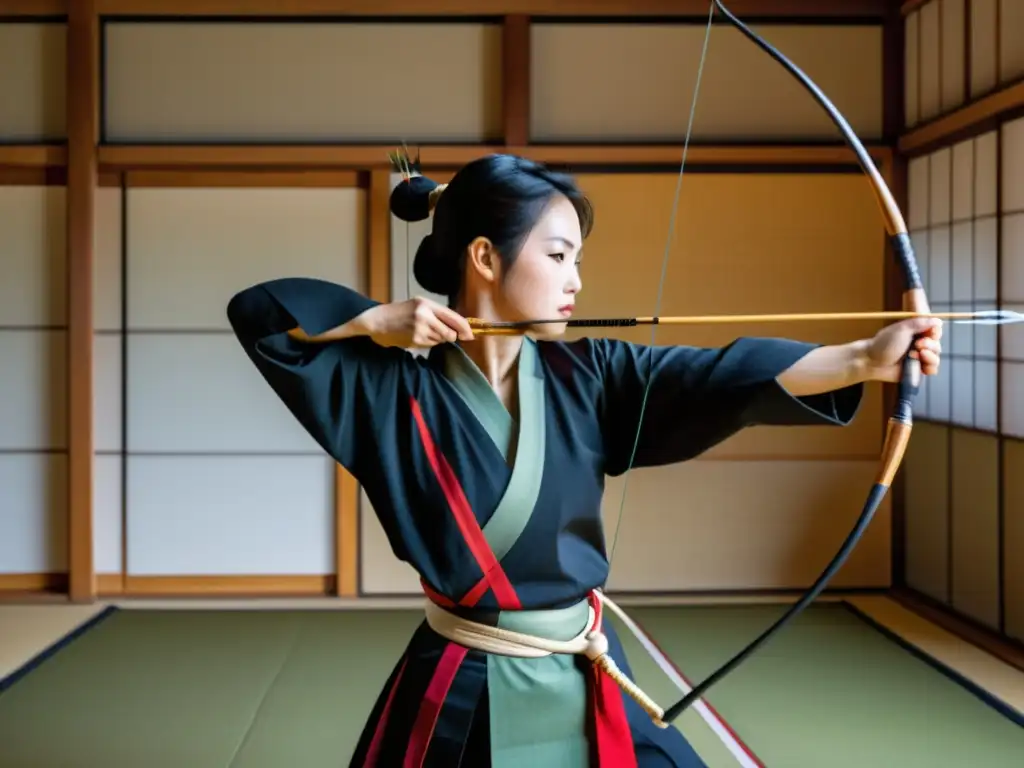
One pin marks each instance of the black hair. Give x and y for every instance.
(500, 197)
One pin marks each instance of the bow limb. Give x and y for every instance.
(900, 422)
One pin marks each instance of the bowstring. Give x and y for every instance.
(408, 250)
(661, 285)
(404, 166)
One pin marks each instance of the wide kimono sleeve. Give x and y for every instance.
(698, 397)
(338, 390)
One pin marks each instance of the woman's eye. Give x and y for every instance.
(558, 256)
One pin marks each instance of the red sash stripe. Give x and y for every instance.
(382, 724)
(613, 742)
(493, 574)
(430, 707)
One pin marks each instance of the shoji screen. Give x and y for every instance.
(965, 497)
(220, 478)
(958, 51)
(33, 312)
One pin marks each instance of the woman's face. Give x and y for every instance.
(544, 279)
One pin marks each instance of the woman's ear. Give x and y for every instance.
(482, 258)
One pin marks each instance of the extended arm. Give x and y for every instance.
(699, 397)
(827, 369)
(880, 358)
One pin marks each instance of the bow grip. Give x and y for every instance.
(914, 300)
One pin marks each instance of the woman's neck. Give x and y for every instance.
(495, 356)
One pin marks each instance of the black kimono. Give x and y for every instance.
(502, 520)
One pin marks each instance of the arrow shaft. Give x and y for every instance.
(481, 327)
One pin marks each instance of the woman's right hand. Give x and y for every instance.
(417, 323)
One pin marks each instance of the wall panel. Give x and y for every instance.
(204, 244)
(108, 362)
(974, 512)
(200, 393)
(954, 52)
(221, 479)
(985, 278)
(963, 500)
(984, 53)
(32, 98)
(380, 572)
(33, 526)
(954, 226)
(930, 46)
(743, 525)
(986, 174)
(107, 511)
(1012, 151)
(647, 74)
(1013, 536)
(912, 68)
(33, 410)
(108, 259)
(926, 510)
(33, 291)
(918, 192)
(1012, 403)
(108, 395)
(284, 81)
(230, 515)
(33, 380)
(1011, 277)
(778, 225)
(1011, 41)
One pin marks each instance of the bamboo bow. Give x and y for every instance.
(914, 300)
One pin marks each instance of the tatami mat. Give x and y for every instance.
(276, 687)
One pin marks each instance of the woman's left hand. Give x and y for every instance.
(886, 350)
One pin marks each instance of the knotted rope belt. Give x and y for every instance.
(590, 642)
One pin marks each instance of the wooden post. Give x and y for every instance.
(515, 80)
(82, 100)
(378, 287)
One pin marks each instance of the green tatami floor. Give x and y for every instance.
(291, 689)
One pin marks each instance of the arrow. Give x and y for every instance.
(985, 317)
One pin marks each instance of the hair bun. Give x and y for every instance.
(430, 269)
(412, 199)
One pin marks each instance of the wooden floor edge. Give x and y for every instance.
(985, 639)
(255, 586)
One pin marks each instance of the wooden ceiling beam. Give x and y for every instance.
(362, 157)
(782, 9)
